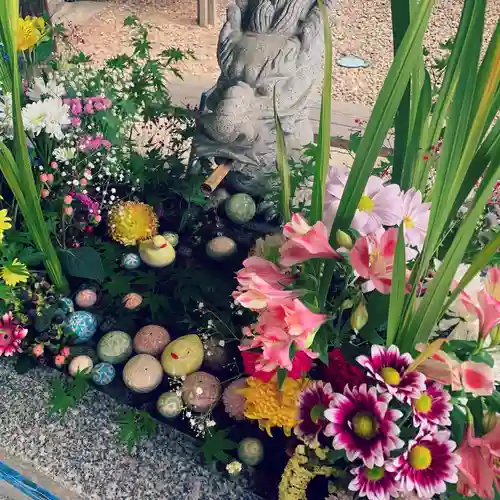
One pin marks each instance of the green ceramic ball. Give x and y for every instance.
(169, 405)
(115, 347)
(251, 451)
(240, 208)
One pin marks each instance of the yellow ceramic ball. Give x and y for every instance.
(183, 356)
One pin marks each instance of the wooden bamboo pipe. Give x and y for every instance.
(216, 177)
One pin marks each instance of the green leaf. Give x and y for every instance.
(134, 426)
(66, 393)
(43, 321)
(458, 421)
(119, 284)
(493, 402)
(318, 412)
(475, 406)
(398, 287)
(215, 445)
(483, 357)
(282, 375)
(83, 262)
(282, 164)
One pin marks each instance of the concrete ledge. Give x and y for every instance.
(80, 457)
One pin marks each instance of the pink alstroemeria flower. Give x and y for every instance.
(264, 269)
(372, 257)
(492, 282)
(477, 470)
(305, 242)
(258, 294)
(477, 378)
(415, 217)
(441, 368)
(487, 310)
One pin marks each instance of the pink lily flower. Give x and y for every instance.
(487, 310)
(305, 242)
(477, 378)
(477, 470)
(372, 257)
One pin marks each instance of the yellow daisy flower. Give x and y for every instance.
(14, 273)
(5, 222)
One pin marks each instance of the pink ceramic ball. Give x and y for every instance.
(201, 391)
(151, 339)
(132, 301)
(86, 298)
(234, 403)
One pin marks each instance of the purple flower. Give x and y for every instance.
(433, 407)
(312, 404)
(362, 424)
(427, 465)
(376, 483)
(388, 367)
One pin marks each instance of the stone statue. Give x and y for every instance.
(264, 45)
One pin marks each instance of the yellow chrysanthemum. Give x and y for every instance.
(271, 406)
(29, 32)
(130, 222)
(14, 273)
(5, 222)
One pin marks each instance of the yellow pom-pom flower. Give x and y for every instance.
(130, 222)
(29, 32)
(271, 406)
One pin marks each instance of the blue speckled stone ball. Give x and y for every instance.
(131, 261)
(83, 324)
(66, 304)
(103, 373)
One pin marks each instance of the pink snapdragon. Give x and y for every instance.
(380, 205)
(89, 143)
(305, 242)
(415, 217)
(372, 257)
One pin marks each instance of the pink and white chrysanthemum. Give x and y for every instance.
(427, 465)
(387, 366)
(433, 407)
(11, 335)
(362, 424)
(376, 483)
(312, 404)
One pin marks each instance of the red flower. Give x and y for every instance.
(301, 363)
(340, 372)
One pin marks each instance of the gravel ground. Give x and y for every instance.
(361, 27)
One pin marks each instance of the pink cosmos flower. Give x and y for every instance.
(305, 242)
(415, 217)
(388, 367)
(427, 465)
(372, 257)
(478, 378)
(478, 468)
(380, 205)
(376, 483)
(486, 308)
(362, 424)
(433, 407)
(442, 368)
(312, 404)
(11, 335)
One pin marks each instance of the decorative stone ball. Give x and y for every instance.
(142, 373)
(172, 238)
(86, 298)
(115, 347)
(82, 324)
(234, 402)
(201, 391)
(216, 355)
(169, 405)
(220, 248)
(251, 451)
(132, 301)
(103, 373)
(82, 364)
(182, 356)
(240, 208)
(151, 339)
(130, 261)
(66, 305)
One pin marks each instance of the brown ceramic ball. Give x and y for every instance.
(151, 339)
(142, 373)
(234, 402)
(86, 298)
(216, 355)
(201, 391)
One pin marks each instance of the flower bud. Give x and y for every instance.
(490, 420)
(359, 317)
(343, 239)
